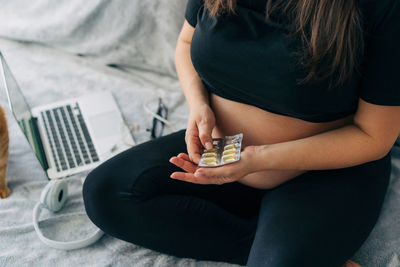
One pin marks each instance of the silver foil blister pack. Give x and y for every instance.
(225, 150)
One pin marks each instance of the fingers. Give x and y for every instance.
(193, 148)
(184, 164)
(224, 172)
(205, 129)
(194, 153)
(189, 177)
(197, 136)
(192, 143)
(184, 156)
(200, 175)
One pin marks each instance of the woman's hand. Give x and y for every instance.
(198, 131)
(215, 175)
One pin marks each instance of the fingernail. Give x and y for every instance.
(198, 174)
(208, 145)
(171, 177)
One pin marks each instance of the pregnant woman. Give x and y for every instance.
(313, 86)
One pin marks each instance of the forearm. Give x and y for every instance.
(343, 147)
(269, 179)
(192, 86)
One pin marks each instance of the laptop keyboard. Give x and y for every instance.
(69, 138)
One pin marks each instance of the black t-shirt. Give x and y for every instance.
(249, 59)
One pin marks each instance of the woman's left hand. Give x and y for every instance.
(215, 175)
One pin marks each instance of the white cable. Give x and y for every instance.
(168, 123)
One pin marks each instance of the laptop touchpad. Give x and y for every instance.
(105, 124)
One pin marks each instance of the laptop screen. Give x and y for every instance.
(19, 106)
(17, 101)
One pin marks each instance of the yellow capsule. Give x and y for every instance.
(209, 155)
(212, 150)
(230, 151)
(214, 163)
(231, 146)
(208, 160)
(229, 158)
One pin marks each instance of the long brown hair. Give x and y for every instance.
(331, 32)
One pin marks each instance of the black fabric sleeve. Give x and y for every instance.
(192, 8)
(381, 68)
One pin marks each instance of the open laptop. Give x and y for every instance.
(69, 136)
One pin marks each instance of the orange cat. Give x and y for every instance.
(4, 190)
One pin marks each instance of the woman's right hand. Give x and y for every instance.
(198, 131)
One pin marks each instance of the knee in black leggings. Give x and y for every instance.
(132, 176)
(98, 196)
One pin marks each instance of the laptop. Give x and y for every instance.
(69, 136)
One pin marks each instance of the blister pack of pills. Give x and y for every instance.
(225, 150)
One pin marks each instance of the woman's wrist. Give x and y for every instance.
(261, 158)
(250, 159)
(260, 172)
(199, 105)
(197, 96)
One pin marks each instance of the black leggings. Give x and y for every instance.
(319, 218)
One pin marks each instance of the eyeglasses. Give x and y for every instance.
(158, 125)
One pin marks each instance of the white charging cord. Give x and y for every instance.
(167, 122)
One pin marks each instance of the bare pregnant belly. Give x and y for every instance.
(261, 127)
